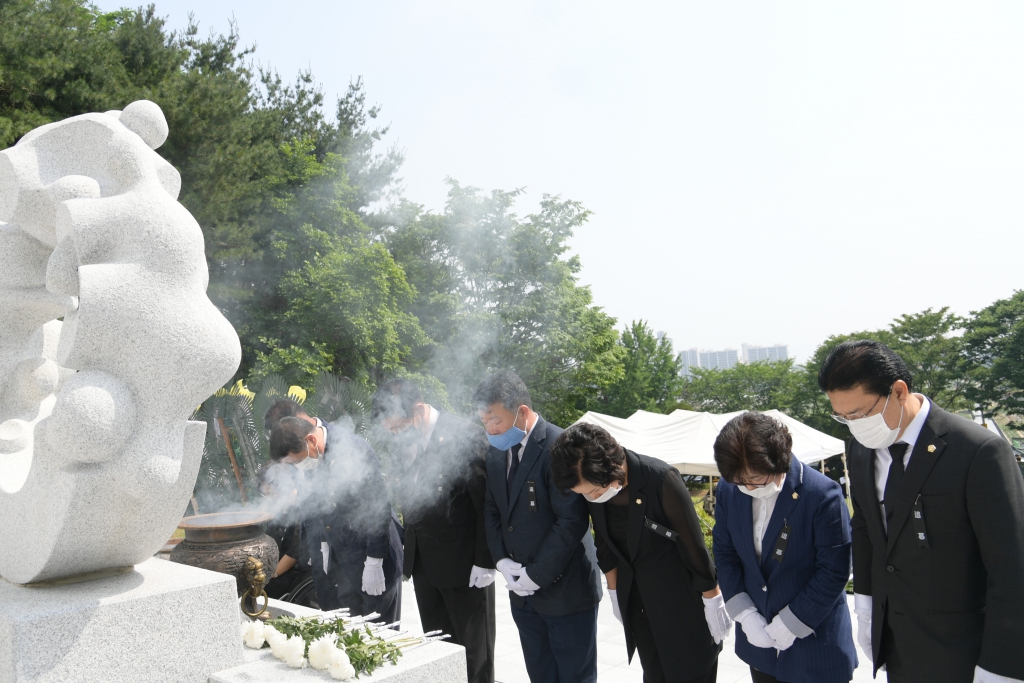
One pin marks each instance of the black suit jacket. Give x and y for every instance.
(349, 508)
(670, 575)
(547, 538)
(955, 599)
(442, 498)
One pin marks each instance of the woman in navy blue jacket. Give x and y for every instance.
(782, 548)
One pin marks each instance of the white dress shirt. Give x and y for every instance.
(883, 459)
(762, 509)
(522, 448)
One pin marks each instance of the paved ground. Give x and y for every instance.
(611, 646)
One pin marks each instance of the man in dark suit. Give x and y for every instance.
(537, 536)
(938, 528)
(352, 534)
(438, 479)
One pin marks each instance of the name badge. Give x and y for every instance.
(661, 529)
(531, 494)
(780, 545)
(919, 529)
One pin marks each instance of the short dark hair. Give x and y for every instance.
(754, 443)
(863, 363)
(289, 436)
(586, 453)
(282, 407)
(504, 387)
(396, 399)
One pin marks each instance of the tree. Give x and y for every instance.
(755, 386)
(994, 344)
(649, 378)
(498, 291)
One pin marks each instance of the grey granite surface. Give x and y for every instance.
(108, 342)
(436, 662)
(158, 623)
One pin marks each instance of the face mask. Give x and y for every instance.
(872, 431)
(308, 463)
(508, 439)
(767, 491)
(606, 496)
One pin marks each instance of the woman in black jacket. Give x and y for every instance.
(650, 547)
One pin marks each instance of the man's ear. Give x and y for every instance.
(900, 390)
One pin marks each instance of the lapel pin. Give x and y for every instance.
(931, 448)
(639, 502)
(795, 495)
(440, 439)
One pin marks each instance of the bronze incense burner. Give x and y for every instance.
(231, 543)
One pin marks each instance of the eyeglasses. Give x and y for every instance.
(858, 416)
(760, 485)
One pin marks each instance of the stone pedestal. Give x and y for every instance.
(436, 662)
(161, 622)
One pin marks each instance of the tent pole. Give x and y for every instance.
(821, 465)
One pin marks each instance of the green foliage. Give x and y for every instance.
(707, 526)
(366, 652)
(649, 378)
(994, 344)
(493, 290)
(754, 386)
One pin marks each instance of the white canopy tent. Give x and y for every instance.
(685, 439)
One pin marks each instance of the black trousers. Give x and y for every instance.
(466, 614)
(893, 667)
(647, 648)
(761, 677)
(343, 587)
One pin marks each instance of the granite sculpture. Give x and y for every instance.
(108, 342)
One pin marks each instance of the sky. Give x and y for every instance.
(758, 172)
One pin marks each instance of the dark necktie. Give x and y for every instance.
(513, 469)
(892, 484)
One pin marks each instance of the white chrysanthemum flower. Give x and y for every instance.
(294, 651)
(323, 651)
(341, 669)
(276, 639)
(252, 634)
(271, 634)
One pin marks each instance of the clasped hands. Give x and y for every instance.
(762, 634)
(516, 579)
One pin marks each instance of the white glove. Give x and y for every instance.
(480, 577)
(615, 604)
(982, 676)
(527, 583)
(510, 570)
(754, 628)
(780, 633)
(716, 616)
(373, 576)
(862, 608)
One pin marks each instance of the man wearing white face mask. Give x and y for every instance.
(938, 527)
(354, 543)
(651, 549)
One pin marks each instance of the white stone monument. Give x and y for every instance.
(108, 342)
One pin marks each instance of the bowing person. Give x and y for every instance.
(437, 473)
(651, 549)
(782, 547)
(354, 545)
(537, 537)
(938, 527)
